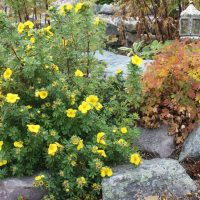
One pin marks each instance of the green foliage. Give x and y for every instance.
(104, 1)
(171, 89)
(146, 51)
(58, 113)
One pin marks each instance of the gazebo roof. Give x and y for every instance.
(190, 11)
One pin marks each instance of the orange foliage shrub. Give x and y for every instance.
(171, 89)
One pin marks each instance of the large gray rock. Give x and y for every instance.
(191, 146)
(156, 141)
(152, 177)
(13, 188)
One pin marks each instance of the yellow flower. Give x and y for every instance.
(98, 106)
(124, 130)
(73, 99)
(69, 7)
(81, 181)
(80, 145)
(96, 21)
(102, 153)
(29, 107)
(1, 144)
(8, 73)
(20, 28)
(136, 60)
(64, 8)
(84, 107)
(38, 178)
(94, 149)
(119, 71)
(3, 162)
(12, 98)
(33, 128)
(78, 7)
(75, 140)
(100, 138)
(53, 148)
(42, 94)
(96, 186)
(106, 171)
(92, 99)
(71, 113)
(29, 24)
(135, 159)
(79, 73)
(18, 144)
(122, 142)
(32, 40)
(114, 130)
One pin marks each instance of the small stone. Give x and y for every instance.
(156, 141)
(107, 9)
(151, 178)
(191, 146)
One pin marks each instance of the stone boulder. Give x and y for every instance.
(152, 177)
(115, 62)
(156, 141)
(13, 188)
(191, 146)
(107, 9)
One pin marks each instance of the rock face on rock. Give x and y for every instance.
(107, 9)
(152, 177)
(115, 62)
(191, 146)
(12, 189)
(156, 141)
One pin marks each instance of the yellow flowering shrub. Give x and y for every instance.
(58, 111)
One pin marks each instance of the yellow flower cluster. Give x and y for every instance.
(97, 21)
(40, 177)
(78, 7)
(122, 142)
(65, 8)
(135, 159)
(39, 180)
(77, 141)
(106, 171)
(81, 181)
(195, 75)
(46, 31)
(43, 94)
(22, 26)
